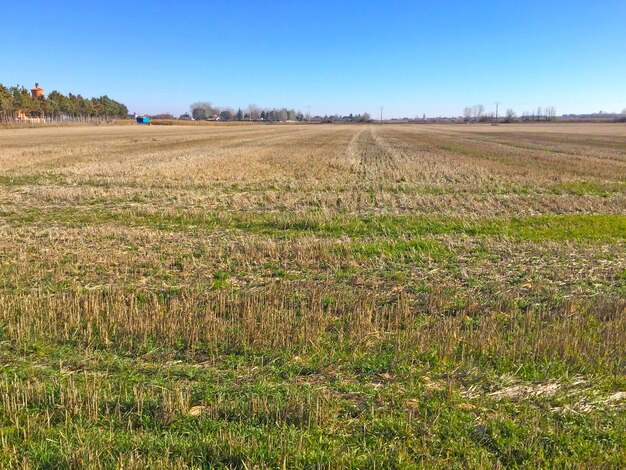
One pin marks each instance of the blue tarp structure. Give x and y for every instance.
(143, 120)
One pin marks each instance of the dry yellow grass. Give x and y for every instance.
(393, 169)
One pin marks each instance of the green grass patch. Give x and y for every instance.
(27, 180)
(582, 188)
(402, 250)
(567, 227)
(573, 227)
(591, 228)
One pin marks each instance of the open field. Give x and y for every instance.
(298, 296)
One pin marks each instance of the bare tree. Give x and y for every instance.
(478, 110)
(467, 113)
(254, 112)
(550, 113)
(509, 115)
(365, 117)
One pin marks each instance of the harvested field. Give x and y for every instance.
(313, 295)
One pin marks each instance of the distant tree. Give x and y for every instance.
(162, 116)
(550, 113)
(477, 111)
(254, 112)
(227, 115)
(365, 117)
(624, 111)
(203, 110)
(19, 97)
(239, 115)
(6, 104)
(467, 113)
(509, 116)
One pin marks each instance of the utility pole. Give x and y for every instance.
(497, 105)
(309, 114)
(381, 114)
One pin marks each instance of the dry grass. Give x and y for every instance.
(348, 168)
(302, 296)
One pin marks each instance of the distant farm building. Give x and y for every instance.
(32, 118)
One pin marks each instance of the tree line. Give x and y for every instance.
(17, 104)
(477, 113)
(203, 110)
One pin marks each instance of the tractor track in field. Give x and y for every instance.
(375, 160)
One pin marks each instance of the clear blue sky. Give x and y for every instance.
(336, 56)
